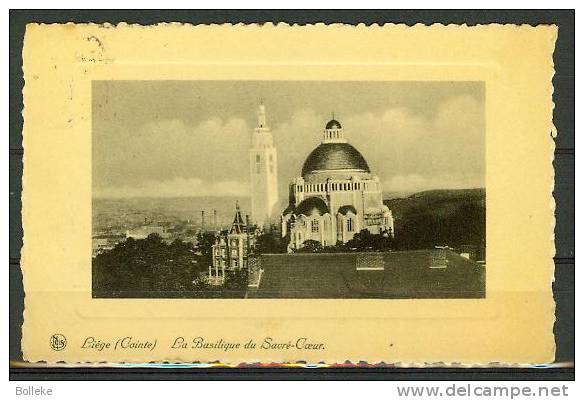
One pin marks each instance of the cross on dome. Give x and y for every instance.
(333, 123)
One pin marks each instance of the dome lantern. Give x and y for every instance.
(333, 132)
(334, 153)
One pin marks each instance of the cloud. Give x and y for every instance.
(418, 183)
(295, 139)
(214, 150)
(410, 149)
(178, 187)
(406, 183)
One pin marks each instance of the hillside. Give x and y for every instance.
(440, 217)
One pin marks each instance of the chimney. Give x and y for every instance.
(214, 219)
(202, 220)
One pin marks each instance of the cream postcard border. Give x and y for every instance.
(513, 325)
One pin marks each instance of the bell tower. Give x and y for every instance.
(263, 162)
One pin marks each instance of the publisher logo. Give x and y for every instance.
(58, 342)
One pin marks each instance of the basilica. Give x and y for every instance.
(335, 197)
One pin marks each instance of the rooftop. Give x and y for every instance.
(402, 274)
(334, 156)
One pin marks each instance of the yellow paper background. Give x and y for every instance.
(512, 325)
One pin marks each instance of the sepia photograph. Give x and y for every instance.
(288, 189)
(272, 194)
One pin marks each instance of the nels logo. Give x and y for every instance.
(58, 342)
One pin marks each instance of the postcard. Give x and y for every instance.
(319, 194)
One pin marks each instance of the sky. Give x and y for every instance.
(191, 138)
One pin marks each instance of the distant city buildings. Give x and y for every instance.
(107, 234)
(104, 242)
(144, 231)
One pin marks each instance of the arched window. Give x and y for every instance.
(314, 226)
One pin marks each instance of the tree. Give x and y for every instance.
(267, 244)
(236, 280)
(310, 246)
(204, 247)
(366, 241)
(145, 268)
(152, 268)
(462, 224)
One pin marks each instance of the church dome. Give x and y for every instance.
(334, 156)
(344, 210)
(333, 124)
(311, 206)
(289, 210)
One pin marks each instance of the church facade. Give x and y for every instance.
(335, 197)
